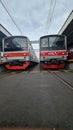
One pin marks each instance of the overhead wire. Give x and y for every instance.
(50, 14)
(5, 7)
(53, 8)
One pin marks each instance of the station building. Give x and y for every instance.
(3, 33)
(67, 29)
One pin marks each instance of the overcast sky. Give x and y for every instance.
(32, 16)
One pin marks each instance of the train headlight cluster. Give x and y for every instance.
(63, 53)
(24, 54)
(62, 57)
(43, 57)
(61, 61)
(27, 58)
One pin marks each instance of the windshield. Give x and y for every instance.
(52, 43)
(15, 44)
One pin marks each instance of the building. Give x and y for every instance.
(3, 33)
(67, 29)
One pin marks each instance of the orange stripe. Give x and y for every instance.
(16, 54)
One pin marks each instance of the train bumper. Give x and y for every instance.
(52, 66)
(18, 66)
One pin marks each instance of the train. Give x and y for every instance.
(53, 51)
(17, 53)
(70, 55)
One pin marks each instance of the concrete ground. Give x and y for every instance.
(36, 99)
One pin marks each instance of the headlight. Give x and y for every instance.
(25, 57)
(43, 57)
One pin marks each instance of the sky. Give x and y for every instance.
(33, 16)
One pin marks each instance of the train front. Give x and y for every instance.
(53, 51)
(16, 55)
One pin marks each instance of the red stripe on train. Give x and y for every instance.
(53, 53)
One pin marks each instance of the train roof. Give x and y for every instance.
(16, 36)
(51, 35)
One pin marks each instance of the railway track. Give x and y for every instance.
(36, 68)
(28, 128)
(8, 73)
(60, 78)
(33, 68)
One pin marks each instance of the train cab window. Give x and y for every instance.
(44, 44)
(57, 43)
(52, 43)
(15, 44)
(20, 43)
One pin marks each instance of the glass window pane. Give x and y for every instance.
(53, 43)
(15, 44)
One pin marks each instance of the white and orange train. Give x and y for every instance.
(70, 55)
(17, 53)
(53, 51)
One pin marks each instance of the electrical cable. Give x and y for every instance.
(11, 16)
(51, 12)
